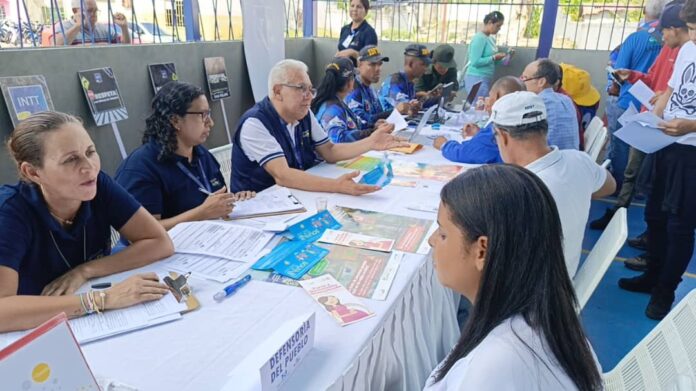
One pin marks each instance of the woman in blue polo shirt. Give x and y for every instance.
(172, 175)
(334, 115)
(55, 228)
(358, 33)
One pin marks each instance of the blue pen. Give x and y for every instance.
(231, 289)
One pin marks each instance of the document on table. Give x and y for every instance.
(218, 239)
(97, 326)
(276, 200)
(643, 93)
(397, 120)
(207, 267)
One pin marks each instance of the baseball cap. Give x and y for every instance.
(444, 55)
(420, 51)
(578, 84)
(670, 16)
(371, 53)
(517, 109)
(343, 66)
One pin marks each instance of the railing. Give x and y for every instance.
(580, 24)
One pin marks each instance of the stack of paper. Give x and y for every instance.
(218, 239)
(276, 200)
(97, 326)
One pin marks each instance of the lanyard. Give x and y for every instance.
(298, 147)
(205, 185)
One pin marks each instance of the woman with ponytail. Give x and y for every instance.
(172, 175)
(334, 115)
(484, 55)
(523, 332)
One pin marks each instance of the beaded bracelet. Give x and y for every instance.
(82, 303)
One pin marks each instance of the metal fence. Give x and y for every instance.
(580, 24)
(41, 23)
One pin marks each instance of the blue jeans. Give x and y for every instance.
(618, 150)
(470, 80)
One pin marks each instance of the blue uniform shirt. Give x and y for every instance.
(364, 103)
(396, 89)
(340, 123)
(26, 225)
(481, 149)
(163, 187)
(362, 36)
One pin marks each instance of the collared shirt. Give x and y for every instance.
(364, 103)
(165, 187)
(572, 177)
(481, 149)
(562, 118)
(513, 356)
(260, 146)
(340, 123)
(98, 35)
(27, 232)
(396, 89)
(359, 38)
(431, 79)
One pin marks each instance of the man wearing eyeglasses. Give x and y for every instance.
(279, 138)
(84, 27)
(540, 77)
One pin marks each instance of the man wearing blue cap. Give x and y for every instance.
(398, 91)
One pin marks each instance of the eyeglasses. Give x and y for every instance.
(205, 115)
(307, 91)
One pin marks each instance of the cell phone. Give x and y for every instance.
(614, 76)
(438, 86)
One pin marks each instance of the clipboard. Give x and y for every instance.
(178, 285)
(282, 200)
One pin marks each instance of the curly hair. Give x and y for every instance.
(174, 98)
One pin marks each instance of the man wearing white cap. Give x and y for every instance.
(520, 128)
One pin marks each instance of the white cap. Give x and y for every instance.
(518, 108)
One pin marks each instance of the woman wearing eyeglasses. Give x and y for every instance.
(334, 115)
(484, 55)
(172, 174)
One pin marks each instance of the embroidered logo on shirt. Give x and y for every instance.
(215, 183)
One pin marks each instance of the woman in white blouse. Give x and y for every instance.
(499, 243)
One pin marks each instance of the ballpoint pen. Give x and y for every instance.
(231, 289)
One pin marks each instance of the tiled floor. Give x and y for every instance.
(614, 319)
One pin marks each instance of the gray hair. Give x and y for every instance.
(653, 8)
(280, 71)
(527, 131)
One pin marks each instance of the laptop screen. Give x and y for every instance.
(472, 94)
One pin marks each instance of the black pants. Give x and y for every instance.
(671, 214)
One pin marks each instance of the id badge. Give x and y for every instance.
(346, 42)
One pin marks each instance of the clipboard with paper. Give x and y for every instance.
(274, 201)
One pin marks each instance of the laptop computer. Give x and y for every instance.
(472, 95)
(414, 137)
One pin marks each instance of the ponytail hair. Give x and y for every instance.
(493, 17)
(338, 75)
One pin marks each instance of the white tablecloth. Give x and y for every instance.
(397, 349)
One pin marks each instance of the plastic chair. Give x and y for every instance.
(599, 259)
(598, 145)
(665, 359)
(223, 155)
(592, 131)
